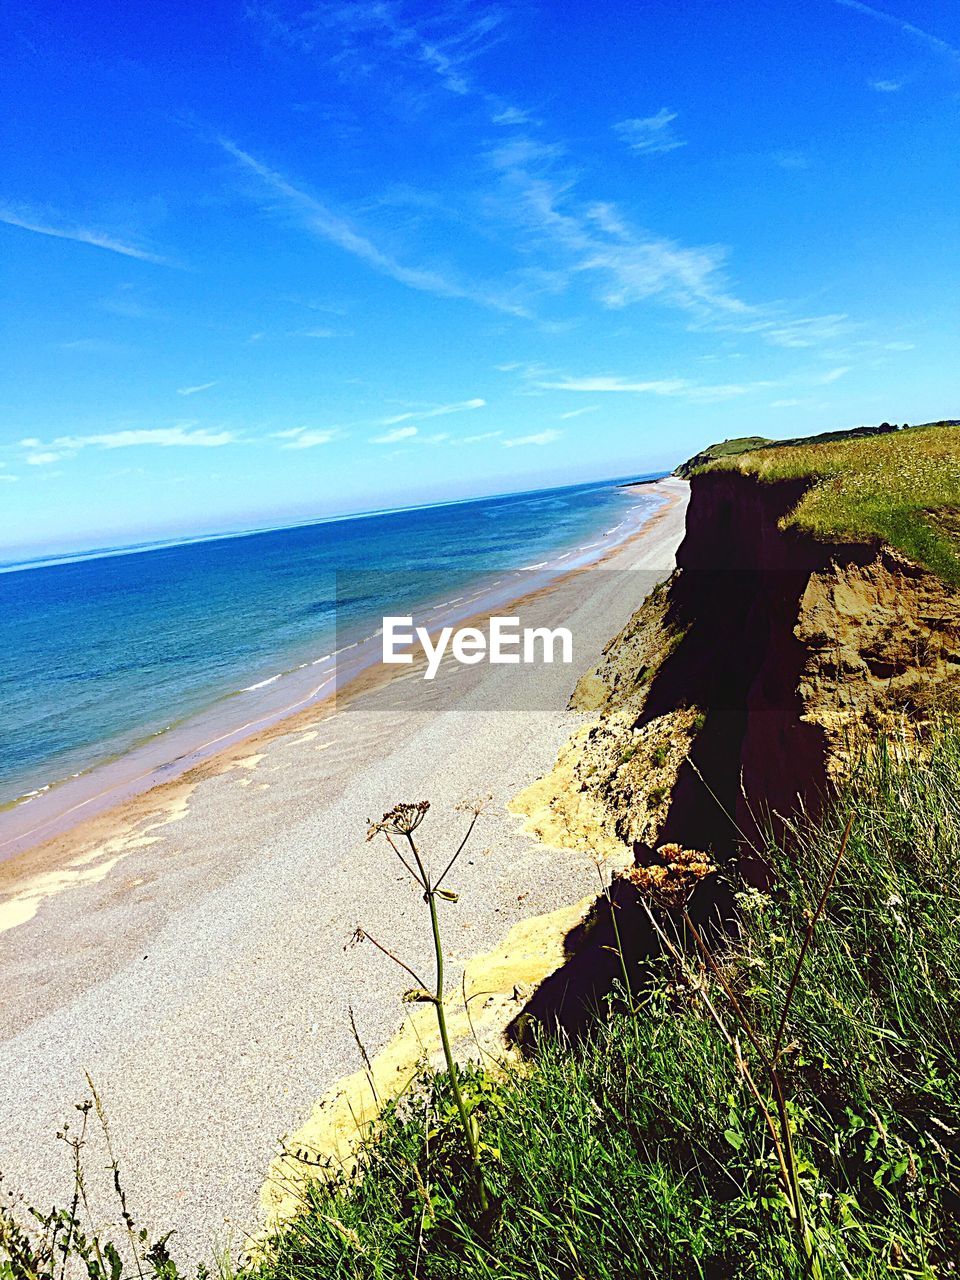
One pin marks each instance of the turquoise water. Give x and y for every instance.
(102, 652)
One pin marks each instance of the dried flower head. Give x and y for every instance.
(402, 819)
(671, 884)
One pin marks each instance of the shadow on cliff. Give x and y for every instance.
(755, 760)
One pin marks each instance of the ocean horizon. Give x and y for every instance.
(108, 649)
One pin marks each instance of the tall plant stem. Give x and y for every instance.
(465, 1118)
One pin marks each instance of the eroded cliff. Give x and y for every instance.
(747, 683)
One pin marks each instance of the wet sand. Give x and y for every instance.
(187, 949)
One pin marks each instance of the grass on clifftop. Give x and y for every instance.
(902, 488)
(724, 449)
(641, 1152)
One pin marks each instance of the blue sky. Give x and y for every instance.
(267, 261)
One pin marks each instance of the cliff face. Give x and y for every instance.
(741, 689)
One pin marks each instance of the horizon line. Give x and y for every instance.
(110, 551)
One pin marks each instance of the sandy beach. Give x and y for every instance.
(187, 949)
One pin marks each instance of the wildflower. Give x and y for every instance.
(671, 884)
(402, 819)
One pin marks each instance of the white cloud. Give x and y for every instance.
(540, 438)
(510, 116)
(28, 221)
(886, 86)
(438, 411)
(605, 382)
(797, 334)
(477, 439)
(192, 391)
(8, 479)
(306, 437)
(698, 393)
(575, 413)
(650, 135)
(795, 160)
(394, 437)
(832, 375)
(595, 239)
(92, 346)
(161, 437)
(183, 436)
(333, 227)
(909, 28)
(372, 34)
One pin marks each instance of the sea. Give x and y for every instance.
(106, 651)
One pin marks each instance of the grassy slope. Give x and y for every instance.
(641, 1153)
(902, 488)
(722, 450)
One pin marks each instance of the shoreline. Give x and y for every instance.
(193, 962)
(122, 805)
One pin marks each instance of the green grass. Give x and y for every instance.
(641, 1152)
(724, 449)
(901, 488)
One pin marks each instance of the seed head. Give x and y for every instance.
(402, 819)
(672, 883)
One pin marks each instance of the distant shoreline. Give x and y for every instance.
(119, 790)
(53, 559)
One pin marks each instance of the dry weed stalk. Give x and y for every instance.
(397, 827)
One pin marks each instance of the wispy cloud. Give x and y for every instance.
(831, 376)
(510, 116)
(43, 458)
(93, 347)
(539, 438)
(886, 86)
(479, 438)
(192, 391)
(320, 220)
(698, 393)
(576, 413)
(395, 436)
(908, 28)
(683, 388)
(37, 223)
(594, 239)
(795, 161)
(605, 382)
(126, 305)
(8, 478)
(40, 453)
(437, 411)
(650, 135)
(375, 33)
(306, 437)
(802, 332)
